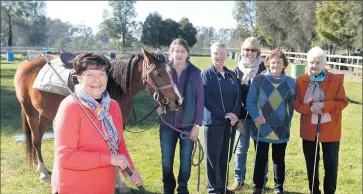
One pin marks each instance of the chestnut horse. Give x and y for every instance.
(129, 75)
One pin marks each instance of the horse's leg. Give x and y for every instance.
(121, 187)
(39, 123)
(44, 173)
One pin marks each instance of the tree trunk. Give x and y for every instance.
(10, 38)
(123, 39)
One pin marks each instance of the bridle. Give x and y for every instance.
(147, 71)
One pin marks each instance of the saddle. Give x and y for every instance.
(48, 81)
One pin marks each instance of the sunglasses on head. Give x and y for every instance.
(252, 50)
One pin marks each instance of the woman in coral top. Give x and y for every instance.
(83, 162)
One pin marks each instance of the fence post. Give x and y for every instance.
(356, 75)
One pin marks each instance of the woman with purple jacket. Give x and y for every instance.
(187, 78)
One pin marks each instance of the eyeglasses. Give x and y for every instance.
(252, 50)
(90, 76)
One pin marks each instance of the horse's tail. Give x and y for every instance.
(28, 137)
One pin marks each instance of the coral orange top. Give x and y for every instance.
(334, 103)
(82, 162)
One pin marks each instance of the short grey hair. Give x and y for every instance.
(255, 43)
(218, 44)
(316, 52)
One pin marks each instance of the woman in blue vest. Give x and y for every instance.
(188, 80)
(221, 112)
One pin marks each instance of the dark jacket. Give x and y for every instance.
(222, 95)
(245, 88)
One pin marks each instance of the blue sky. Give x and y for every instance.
(217, 14)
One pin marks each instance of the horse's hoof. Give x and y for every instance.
(44, 178)
(122, 190)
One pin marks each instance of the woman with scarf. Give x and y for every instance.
(250, 65)
(83, 161)
(320, 93)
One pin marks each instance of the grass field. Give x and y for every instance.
(17, 177)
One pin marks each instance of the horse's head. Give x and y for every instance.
(157, 74)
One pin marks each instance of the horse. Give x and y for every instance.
(129, 74)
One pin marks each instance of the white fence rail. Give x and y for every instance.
(339, 62)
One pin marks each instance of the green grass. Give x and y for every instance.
(17, 177)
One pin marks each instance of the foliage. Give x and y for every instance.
(120, 24)
(187, 31)
(152, 30)
(292, 25)
(245, 14)
(170, 31)
(155, 30)
(12, 11)
(285, 23)
(338, 22)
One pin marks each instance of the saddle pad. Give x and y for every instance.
(48, 81)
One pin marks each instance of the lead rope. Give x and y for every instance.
(197, 144)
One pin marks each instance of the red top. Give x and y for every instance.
(82, 162)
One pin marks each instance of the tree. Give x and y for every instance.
(102, 36)
(334, 24)
(37, 24)
(305, 28)
(58, 33)
(187, 31)
(201, 36)
(38, 31)
(152, 30)
(81, 35)
(205, 35)
(12, 10)
(171, 31)
(356, 20)
(244, 13)
(285, 24)
(268, 17)
(120, 23)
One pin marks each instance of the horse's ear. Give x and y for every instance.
(146, 54)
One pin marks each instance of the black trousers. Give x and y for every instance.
(278, 159)
(330, 159)
(216, 139)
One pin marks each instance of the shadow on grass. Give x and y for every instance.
(137, 191)
(143, 105)
(353, 101)
(10, 112)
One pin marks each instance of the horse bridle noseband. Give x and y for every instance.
(152, 83)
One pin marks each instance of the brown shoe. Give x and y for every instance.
(236, 186)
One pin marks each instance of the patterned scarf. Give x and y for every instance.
(315, 93)
(101, 111)
(249, 69)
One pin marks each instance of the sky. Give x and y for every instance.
(217, 14)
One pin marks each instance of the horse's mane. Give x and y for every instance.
(120, 78)
(119, 82)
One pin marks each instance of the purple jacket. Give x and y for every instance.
(176, 118)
